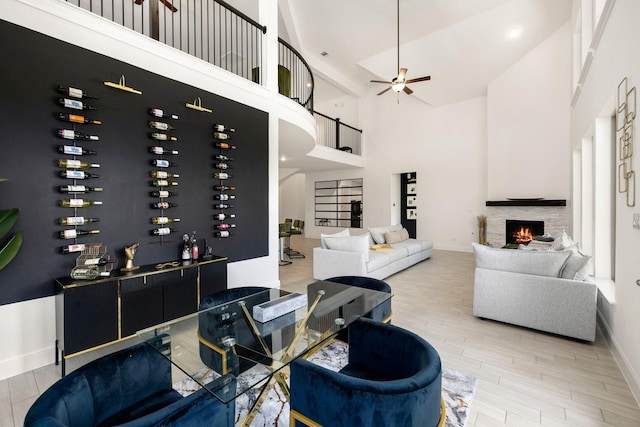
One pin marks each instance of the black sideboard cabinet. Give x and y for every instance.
(94, 313)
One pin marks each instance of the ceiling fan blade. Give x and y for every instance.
(419, 79)
(384, 90)
(381, 81)
(407, 90)
(402, 74)
(169, 5)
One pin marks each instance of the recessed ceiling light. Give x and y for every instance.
(282, 159)
(514, 33)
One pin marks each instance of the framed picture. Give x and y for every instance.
(412, 214)
(411, 201)
(412, 188)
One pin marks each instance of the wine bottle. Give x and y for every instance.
(222, 217)
(221, 234)
(163, 220)
(163, 183)
(160, 163)
(162, 193)
(223, 166)
(75, 104)
(195, 252)
(162, 231)
(74, 233)
(160, 125)
(76, 164)
(221, 175)
(221, 135)
(222, 206)
(89, 273)
(74, 92)
(73, 174)
(73, 248)
(163, 174)
(223, 187)
(78, 189)
(74, 151)
(99, 261)
(71, 134)
(78, 203)
(160, 113)
(224, 196)
(162, 150)
(223, 158)
(77, 220)
(75, 118)
(163, 205)
(222, 128)
(224, 226)
(162, 136)
(225, 145)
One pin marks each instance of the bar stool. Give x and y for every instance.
(284, 230)
(297, 229)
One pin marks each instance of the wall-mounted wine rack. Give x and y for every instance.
(74, 167)
(224, 196)
(163, 181)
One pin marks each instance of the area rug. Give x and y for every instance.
(457, 391)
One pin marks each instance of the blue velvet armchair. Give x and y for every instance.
(132, 388)
(383, 312)
(393, 379)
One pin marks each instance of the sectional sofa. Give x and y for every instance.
(381, 252)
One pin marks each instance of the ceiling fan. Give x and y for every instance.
(399, 83)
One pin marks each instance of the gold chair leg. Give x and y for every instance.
(443, 413)
(297, 416)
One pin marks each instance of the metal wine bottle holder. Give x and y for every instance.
(85, 266)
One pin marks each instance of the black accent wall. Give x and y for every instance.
(33, 67)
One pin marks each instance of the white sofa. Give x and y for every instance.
(545, 290)
(345, 255)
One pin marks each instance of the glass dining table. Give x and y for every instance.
(225, 344)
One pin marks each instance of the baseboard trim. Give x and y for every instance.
(26, 362)
(621, 360)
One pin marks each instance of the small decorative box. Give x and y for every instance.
(271, 309)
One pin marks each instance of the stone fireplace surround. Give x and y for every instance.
(556, 219)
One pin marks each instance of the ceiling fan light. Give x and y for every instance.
(398, 87)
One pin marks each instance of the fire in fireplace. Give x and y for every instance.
(523, 231)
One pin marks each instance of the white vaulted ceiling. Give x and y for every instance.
(461, 44)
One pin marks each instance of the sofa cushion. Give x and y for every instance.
(377, 233)
(396, 236)
(343, 233)
(564, 242)
(577, 267)
(350, 244)
(540, 263)
(379, 259)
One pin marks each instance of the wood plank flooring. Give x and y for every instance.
(525, 378)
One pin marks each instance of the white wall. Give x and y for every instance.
(528, 111)
(292, 193)
(345, 108)
(28, 328)
(616, 57)
(445, 146)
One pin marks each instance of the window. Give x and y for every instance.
(338, 203)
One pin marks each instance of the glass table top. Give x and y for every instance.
(225, 342)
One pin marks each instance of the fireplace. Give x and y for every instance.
(517, 232)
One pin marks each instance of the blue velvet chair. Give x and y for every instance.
(213, 329)
(383, 312)
(393, 379)
(132, 388)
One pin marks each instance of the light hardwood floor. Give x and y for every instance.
(525, 378)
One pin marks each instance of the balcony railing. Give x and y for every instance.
(213, 31)
(335, 134)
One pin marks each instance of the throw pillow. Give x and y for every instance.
(343, 233)
(577, 267)
(396, 236)
(540, 263)
(350, 244)
(377, 233)
(564, 242)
